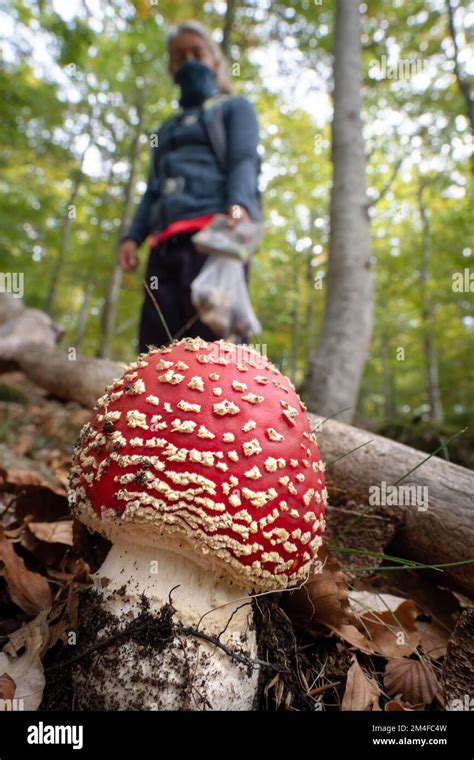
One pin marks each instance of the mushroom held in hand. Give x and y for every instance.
(200, 466)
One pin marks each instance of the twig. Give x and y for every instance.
(131, 628)
(366, 443)
(188, 631)
(321, 689)
(160, 313)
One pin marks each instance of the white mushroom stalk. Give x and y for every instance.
(200, 675)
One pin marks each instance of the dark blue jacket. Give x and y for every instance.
(184, 178)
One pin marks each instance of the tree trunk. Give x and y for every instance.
(335, 370)
(463, 83)
(228, 26)
(109, 313)
(432, 375)
(388, 390)
(294, 320)
(68, 219)
(310, 304)
(441, 533)
(83, 313)
(309, 316)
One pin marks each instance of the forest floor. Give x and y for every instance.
(354, 637)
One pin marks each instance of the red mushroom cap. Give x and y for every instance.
(206, 449)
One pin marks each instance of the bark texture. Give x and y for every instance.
(440, 531)
(458, 667)
(20, 325)
(335, 370)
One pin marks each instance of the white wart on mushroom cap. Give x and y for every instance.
(205, 448)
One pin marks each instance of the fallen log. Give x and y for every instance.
(437, 514)
(20, 325)
(437, 524)
(68, 376)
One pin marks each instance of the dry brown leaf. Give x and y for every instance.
(464, 601)
(28, 590)
(19, 477)
(324, 601)
(7, 687)
(58, 464)
(362, 692)
(414, 680)
(434, 601)
(393, 634)
(77, 571)
(324, 598)
(14, 534)
(34, 476)
(434, 638)
(53, 532)
(370, 601)
(41, 504)
(64, 616)
(73, 607)
(379, 633)
(36, 504)
(27, 670)
(396, 706)
(353, 636)
(24, 443)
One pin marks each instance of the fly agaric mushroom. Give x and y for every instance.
(201, 467)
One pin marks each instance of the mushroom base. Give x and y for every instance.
(145, 619)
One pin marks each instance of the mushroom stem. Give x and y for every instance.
(187, 672)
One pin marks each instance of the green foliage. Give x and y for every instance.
(73, 79)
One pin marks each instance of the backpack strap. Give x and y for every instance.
(213, 120)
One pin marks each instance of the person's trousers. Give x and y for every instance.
(171, 268)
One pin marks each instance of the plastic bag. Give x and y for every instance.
(219, 295)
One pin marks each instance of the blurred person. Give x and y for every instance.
(189, 182)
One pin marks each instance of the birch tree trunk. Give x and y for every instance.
(463, 81)
(81, 323)
(309, 312)
(308, 320)
(432, 374)
(335, 369)
(229, 24)
(109, 313)
(388, 394)
(68, 218)
(294, 319)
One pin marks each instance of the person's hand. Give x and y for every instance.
(237, 214)
(127, 256)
